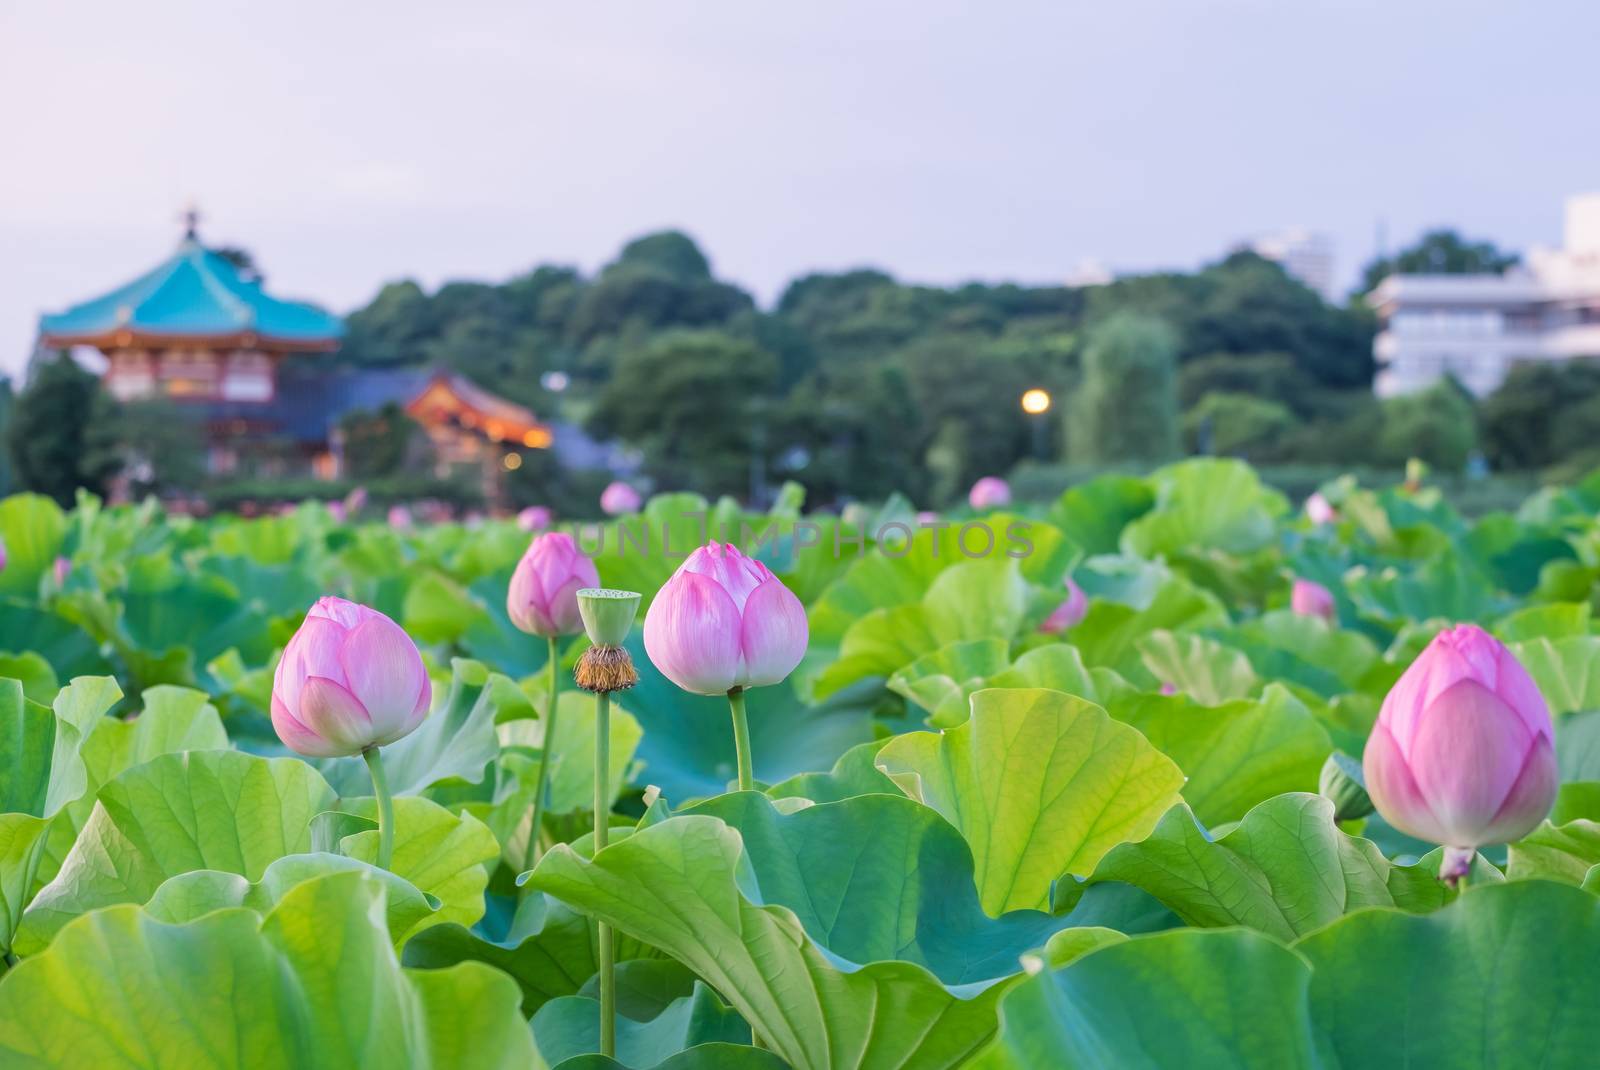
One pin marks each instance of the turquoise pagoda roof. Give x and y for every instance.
(195, 296)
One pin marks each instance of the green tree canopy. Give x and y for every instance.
(1127, 407)
(1439, 252)
(49, 437)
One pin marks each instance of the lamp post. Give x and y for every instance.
(1036, 403)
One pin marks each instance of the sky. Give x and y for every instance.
(351, 143)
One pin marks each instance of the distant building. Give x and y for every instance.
(199, 330)
(1303, 255)
(1475, 327)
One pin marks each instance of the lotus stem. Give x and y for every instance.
(380, 788)
(542, 777)
(741, 739)
(602, 817)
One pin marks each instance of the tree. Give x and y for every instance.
(1530, 421)
(1237, 425)
(1127, 407)
(49, 434)
(1439, 425)
(669, 252)
(154, 447)
(1439, 252)
(694, 403)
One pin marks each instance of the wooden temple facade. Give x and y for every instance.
(201, 331)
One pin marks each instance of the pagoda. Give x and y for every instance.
(195, 327)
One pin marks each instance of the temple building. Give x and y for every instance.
(259, 374)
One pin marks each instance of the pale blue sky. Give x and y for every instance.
(351, 143)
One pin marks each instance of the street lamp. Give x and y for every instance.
(1036, 402)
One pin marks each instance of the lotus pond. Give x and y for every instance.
(1077, 784)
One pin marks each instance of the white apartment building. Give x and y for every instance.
(1476, 327)
(1303, 255)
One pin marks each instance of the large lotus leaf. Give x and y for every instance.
(980, 599)
(33, 672)
(1205, 504)
(1445, 585)
(1236, 754)
(1093, 514)
(314, 984)
(71, 651)
(855, 773)
(1039, 783)
(41, 771)
(444, 854)
(688, 748)
(1501, 977)
(571, 786)
(881, 877)
(1171, 1001)
(677, 885)
(549, 949)
(217, 809)
(1567, 671)
(199, 892)
(33, 530)
(701, 1057)
(570, 1026)
(1565, 852)
(1204, 669)
(1557, 620)
(1109, 633)
(1286, 869)
(1578, 746)
(1305, 650)
(174, 719)
(439, 610)
(940, 682)
(883, 580)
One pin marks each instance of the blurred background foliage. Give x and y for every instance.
(857, 385)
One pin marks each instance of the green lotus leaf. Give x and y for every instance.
(1286, 869)
(1236, 754)
(1039, 783)
(313, 984)
(217, 809)
(677, 885)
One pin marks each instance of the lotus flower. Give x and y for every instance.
(1311, 599)
(1069, 613)
(1463, 754)
(990, 492)
(3, 557)
(349, 680)
(534, 518)
(619, 499)
(543, 596)
(399, 517)
(1319, 511)
(61, 569)
(355, 501)
(724, 621)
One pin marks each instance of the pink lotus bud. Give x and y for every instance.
(355, 501)
(723, 621)
(927, 518)
(399, 517)
(543, 596)
(61, 569)
(348, 680)
(1462, 753)
(336, 510)
(1319, 511)
(619, 499)
(3, 557)
(1069, 613)
(1168, 688)
(990, 492)
(1310, 599)
(534, 518)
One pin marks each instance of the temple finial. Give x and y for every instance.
(190, 218)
